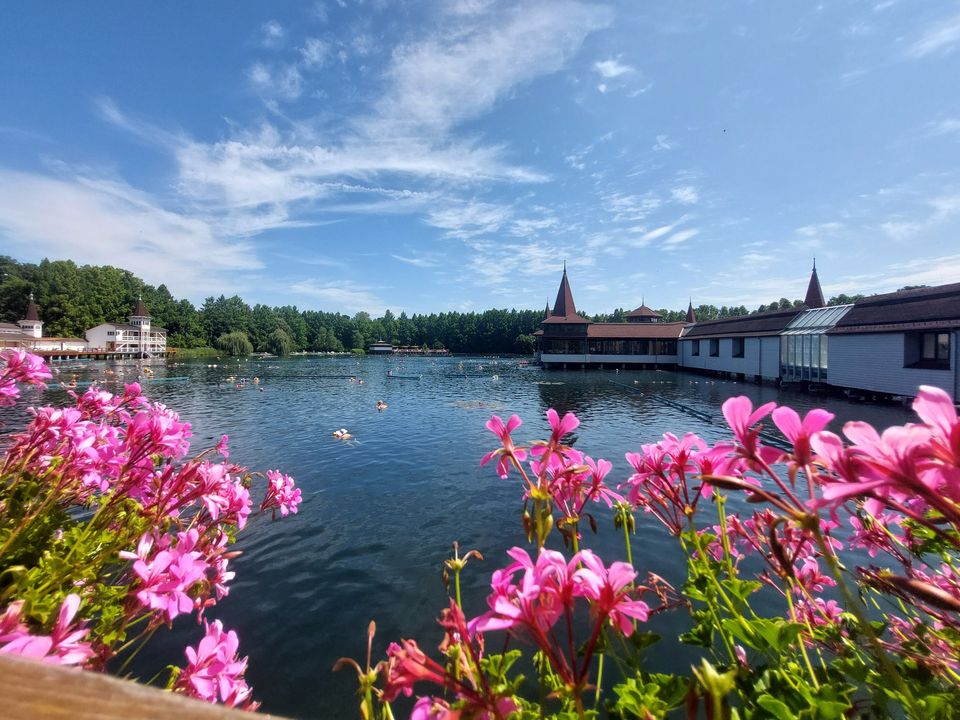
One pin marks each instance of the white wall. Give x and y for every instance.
(761, 356)
(59, 344)
(874, 361)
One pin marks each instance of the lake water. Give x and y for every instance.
(380, 512)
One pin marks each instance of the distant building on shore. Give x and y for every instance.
(380, 347)
(28, 334)
(136, 337)
(888, 344)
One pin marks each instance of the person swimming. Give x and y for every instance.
(342, 434)
(381, 406)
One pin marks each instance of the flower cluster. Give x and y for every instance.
(110, 479)
(818, 497)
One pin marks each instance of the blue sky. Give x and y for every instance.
(351, 155)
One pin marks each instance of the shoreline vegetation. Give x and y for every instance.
(73, 298)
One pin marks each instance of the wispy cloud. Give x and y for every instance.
(663, 143)
(422, 261)
(945, 126)
(437, 83)
(631, 208)
(678, 238)
(685, 195)
(281, 81)
(271, 34)
(118, 225)
(346, 295)
(940, 37)
(469, 219)
(611, 68)
(314, 53)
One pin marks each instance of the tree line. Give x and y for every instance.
(73, 298)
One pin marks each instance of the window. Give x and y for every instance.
(715, 347)
(737, 350)
(695, 348)
(927, 350)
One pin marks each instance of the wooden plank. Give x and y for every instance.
(31, 689)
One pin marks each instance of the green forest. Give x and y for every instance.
(72, 298)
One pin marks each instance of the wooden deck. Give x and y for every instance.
(31, 689)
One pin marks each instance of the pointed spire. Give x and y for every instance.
(564, 305)
(814, 298)
(546, 310)
(691, 316)
(140, 310)
(32, 314)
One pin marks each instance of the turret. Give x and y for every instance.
(31, 324)
(814, 298)
(691, 316)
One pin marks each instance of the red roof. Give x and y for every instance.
(814, 297)
(644, 311)
(564, 309)
(140, 310)
(32, 311)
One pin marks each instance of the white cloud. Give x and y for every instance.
(816, 230)
(341, 295)
(611, 68)
(663, 143)
(679, 238)
(314, 53)
(685, 195)
(282, 82)
(945, 126)
(469, 219)
(631, 208)
(120, 226)
(271, 34)
(939, 38)
(436, 84)
(421, 262)
(655, 234)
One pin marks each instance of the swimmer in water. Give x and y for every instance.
(381, 406)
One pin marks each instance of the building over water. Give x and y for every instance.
(566, 338)
(136, 337)
(889, 344)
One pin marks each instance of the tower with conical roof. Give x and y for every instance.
(140, 320)
(814, 298)
(564, 305)
(31, 324)
(691, 316)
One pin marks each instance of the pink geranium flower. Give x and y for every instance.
(799, 432)
(741, 417)
(214, 672)
(609, 591)
(507, 453)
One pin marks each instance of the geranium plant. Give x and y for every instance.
(110, 531)
(856, 542)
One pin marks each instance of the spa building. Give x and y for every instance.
(885, 344)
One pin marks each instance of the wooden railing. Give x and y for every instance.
(32, 690)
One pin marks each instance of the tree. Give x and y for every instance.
(525, 344)
(235, 343)
(280, 343)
